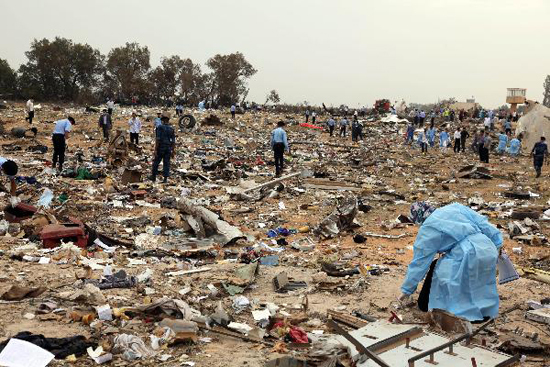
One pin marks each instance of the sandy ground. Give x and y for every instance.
(395, 167)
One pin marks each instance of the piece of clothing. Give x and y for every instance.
(106, 131)
(331, 129)
(61, 348)
(30, 116)
(343, 131)
(502, 142)
(331, 122)
(431, 136)
(58, 150)
(515, 145)
(163, 154)
(456, 134)
(62, 127)
(134, 138)
(135, 125)
(483, 154)
(443, 139)
(165, 136)
(457, 145)
(233, 108)
(158, 122)
(464, 279)
(540, 149)
(279, 136)
(410, 133)
(111, 105)
(278, 151)
(30, 106)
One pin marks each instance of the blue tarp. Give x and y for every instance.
(464, 280)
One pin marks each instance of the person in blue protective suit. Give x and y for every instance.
(514, 148)
(410, 133)
(463, 279)
(444, 140)
(431, 135)
(502, 142)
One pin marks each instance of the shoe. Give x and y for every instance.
(165, 180)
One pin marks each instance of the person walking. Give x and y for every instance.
(110, 106)
(463, 136)
(135, 128)
(409, 134)
(29, 107)
(421, 118)
(431, 135)
(539, 153)
(233, 111)
(508, 127)
(456, 146)
(165, 148)
(444, 140)
(105, 123)
(424, 141)
(59, 138)
(331, 123)
(313, 117)
(484, 146)
(279, 144)
(343, 126)
(307, 116)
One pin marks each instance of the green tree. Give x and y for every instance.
(59, 69)
(273, 97)
(228, 78)
(546, 93)
(8, 79)
(126, 72)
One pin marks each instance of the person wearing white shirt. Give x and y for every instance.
(313, 116)
(59, 137)
(487, 123)
(457, 136)
(30, 110)
(135, 128)
(110, 106)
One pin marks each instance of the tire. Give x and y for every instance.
(187, 122)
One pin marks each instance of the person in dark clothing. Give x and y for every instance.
(463, 136)
(165, 144)
(105, 123)
(279, 143)
(307, 116)
(59, 138)
(457, 136)
(484, 145)
(539, 153)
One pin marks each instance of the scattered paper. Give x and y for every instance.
(19, 353)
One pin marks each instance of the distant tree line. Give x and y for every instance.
(61, 70)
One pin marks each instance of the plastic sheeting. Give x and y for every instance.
(464, 280)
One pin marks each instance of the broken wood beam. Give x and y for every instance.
(348, 320)
(272, 182)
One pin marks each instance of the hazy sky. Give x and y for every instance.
(331, 51)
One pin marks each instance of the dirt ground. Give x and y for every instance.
(379, 163)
